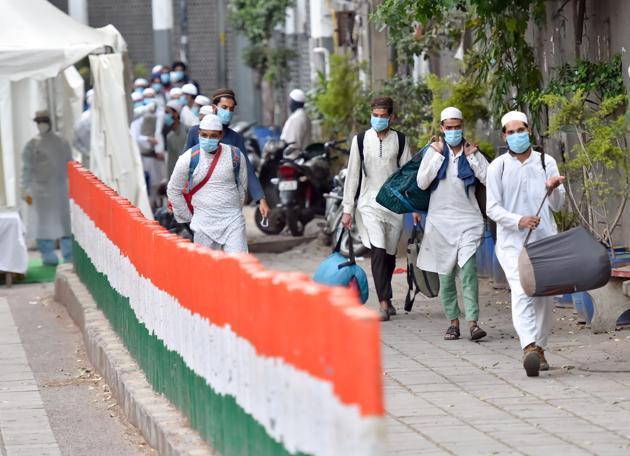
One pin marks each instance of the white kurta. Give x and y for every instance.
(218, 205)
(454, 224)
(45, 178)
(378, 226)
(152, 165)
(82, 132)
(297, 129)
(188, 117)
(515, 190)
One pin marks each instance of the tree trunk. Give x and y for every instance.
(268, 107)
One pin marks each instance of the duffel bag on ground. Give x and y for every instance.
(418, 281)
(338, 270)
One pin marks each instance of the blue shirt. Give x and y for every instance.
(231, 138)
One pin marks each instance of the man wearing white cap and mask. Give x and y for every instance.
(45, 185)
(139, 84)
(176, 136)
(297, 128)
(516, 185)
(451, 168)
(218, 186)
(188, 116)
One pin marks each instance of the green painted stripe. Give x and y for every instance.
(218, 418)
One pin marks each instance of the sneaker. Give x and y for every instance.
(531, 360)
(383, 315)
(544, 365)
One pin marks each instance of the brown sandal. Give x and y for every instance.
(477, 333)
(452, 333)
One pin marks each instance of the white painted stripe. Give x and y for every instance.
(295, 408)
(24, 425)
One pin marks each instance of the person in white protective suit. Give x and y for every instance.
(451, 169)
(297, 128)
(516, 183)
(45, 185)
(220, 180)
(83, 130)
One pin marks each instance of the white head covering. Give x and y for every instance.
(89, 96)
(136, 96)
(174, 104)
(156, 69)
(175, 92)
(514, 115)
(297, 95)
(189, 89)
(140, 82)
(205, 110)
(211, 122)
(201, 100)
(451, 113)
(148, 92)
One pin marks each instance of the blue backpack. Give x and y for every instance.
(337, 270)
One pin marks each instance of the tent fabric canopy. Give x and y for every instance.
(38, 41)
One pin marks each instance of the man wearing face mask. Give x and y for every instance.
(451, 168)
(297, 128)
(224, 101)
(188, 117)
(45, 185)
(516, 185)
(370, 164)
(176, 136)
(218, 185)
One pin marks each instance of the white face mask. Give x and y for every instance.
(43, 127)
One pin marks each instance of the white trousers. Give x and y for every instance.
(235, 243)
(532, 317)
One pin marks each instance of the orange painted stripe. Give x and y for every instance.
(321, 330)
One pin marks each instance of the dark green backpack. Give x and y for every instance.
(400, 192)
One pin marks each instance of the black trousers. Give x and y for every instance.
(383, 266)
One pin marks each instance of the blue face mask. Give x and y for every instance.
(519, 142)
(183, 100)
(138, 89)
(148, 101)
(165, 78)
(157, 87)
(178, 75)
(453, 137)
(379, 123)
(208, 144)
(137, 104)
(225, 116)
(169, 119)
(195, 110)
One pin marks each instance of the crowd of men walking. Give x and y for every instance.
(185, 138)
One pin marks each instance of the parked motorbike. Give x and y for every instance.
(331, 226)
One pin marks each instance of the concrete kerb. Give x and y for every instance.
(161, 424)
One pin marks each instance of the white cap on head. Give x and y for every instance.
(205, 110)
(451, 113)
(156, 69)
(514, 115)
(297, 95)
(89, 96)
(136, 96)
(148, 92)
(140, 82)
(175, 92)
(211, 122)
(189, 89)
(174, 104)
(201, 100)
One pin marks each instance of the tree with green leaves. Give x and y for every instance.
(257, 20)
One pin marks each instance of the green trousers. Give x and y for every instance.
(470, 288)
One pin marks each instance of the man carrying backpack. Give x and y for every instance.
(207, 189)
(374, 156)
(451, 168)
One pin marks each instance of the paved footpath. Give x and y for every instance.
(465, 398)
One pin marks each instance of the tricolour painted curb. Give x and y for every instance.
(261, 362)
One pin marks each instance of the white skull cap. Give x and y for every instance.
(140, 82)
(174, 104)
(175, 92)
(202, 101)
(206, 109)
(451, 113)
(189, 89)
(156, 69)
(136, 96)
(211, 122)
(148, 92)
(297, 95)
(514, 115)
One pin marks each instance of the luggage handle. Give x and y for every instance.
(351, 259)
(529, 233)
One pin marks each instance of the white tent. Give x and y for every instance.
(38, 46)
